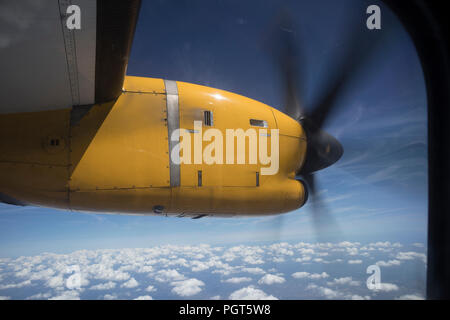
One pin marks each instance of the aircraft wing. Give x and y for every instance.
(45, 65)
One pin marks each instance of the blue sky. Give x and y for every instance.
(376, 192)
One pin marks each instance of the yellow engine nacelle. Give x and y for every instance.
(117, 157)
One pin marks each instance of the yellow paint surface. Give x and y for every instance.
(115, 159)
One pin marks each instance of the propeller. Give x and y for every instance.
(323, 149)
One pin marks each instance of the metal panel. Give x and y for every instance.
(26, 137)
(173, 123)
(122, 147)
(140, 84)
(230, 111)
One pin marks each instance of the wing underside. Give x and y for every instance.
(47, 66)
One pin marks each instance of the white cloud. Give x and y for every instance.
(303, 259)
(132, 283)
(389, 263)
(110, 297)
(303, 274)
(5, 298)
(387, 287)
(411, 255)
(278, 259)
(150, 289)
(250, 293)
(199, 266)
(323, 291)
(104, 271)
(144, 269)
(322, 254)
(55, 282)
(237, 280)
(319, 275)
(411, 297)
(39, 296)
(344, 281)
(380, 244)
(104, 286)
(15, 285)
(282, 248)
(304, 251)
(168, 275)
(364, 254)
(67, 295)
(253, 260)
(358, 297)
(300, 275)
(188, 287)
(346, 244)
(253, 270)
(143, 298)
(352, 251)
(170, 264)
(271, 279)
(44, 274)
(24, 273)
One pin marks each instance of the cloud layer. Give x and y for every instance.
(278, 271)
